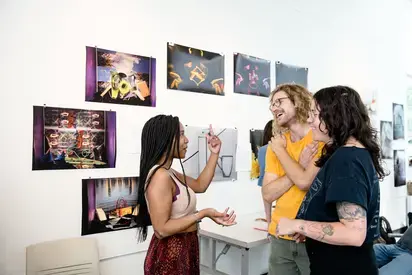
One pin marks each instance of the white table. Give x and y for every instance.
(242, 236)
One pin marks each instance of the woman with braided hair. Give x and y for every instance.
(167, 198)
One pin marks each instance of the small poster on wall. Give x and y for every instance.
(194, 70)
(409, 106)
(398, 121)
(386, 137)
(256, 139)
(291, 74)
(121, 78)
(251, 75)
(198, 153)
(66, 138)
(109, 204)
(399, 168)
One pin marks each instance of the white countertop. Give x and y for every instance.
(242, 234)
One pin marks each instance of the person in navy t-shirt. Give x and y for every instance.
(338, 218)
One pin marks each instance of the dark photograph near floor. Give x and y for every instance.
(109, 204)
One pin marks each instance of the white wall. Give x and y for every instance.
(365, 44)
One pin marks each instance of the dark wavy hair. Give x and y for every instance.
(344, 115)
(160, 137)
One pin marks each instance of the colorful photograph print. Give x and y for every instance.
(198, 153)
(291, 74)
(66, 138)
(195, 70)
(251, 75)
(256, 140)
(109, 204)
(120, 78)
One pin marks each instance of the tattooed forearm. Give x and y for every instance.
(350, 230)
(317, 230)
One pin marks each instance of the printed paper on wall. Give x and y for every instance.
(399, 167)
(65, 138)
(256, 139)
(398, 121)
(291, 74)
(109, 204)
(121, 78)
(386, 137)
(251, 75)
(194, 70)
(198, 153)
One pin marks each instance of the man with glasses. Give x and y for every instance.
(290, 106)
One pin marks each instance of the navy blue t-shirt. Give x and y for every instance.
(348, 176)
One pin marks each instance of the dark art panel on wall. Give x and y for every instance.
(256, 140)
(121, 78)
(198, 153)
(194, 70)
(251, 75)
(399, 167)
(109, 204)
(291, 74)
(65, 138)
(398, 121)
(386, 137)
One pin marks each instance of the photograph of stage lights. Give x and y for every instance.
(256, 139)
(66, 138)
(120, 78)
(251, 75)
(291, 74)
(195, 70)
(109, 204)
(198, 153)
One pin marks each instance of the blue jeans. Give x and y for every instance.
(391, 259)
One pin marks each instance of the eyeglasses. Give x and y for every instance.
(277, 102)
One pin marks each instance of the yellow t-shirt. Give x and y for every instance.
(289, 203)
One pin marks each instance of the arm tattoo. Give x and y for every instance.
(354, 215)
(350, 211)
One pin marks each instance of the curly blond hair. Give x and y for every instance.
(300, 97)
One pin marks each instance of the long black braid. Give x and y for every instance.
(159, 135)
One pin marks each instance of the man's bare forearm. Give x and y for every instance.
(293, 170)
(268, 211)
(275, 189)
